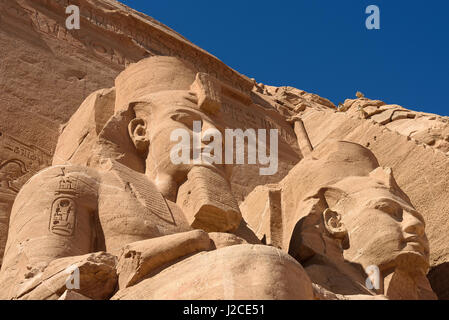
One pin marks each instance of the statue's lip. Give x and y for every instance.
(417, 243)
(416, 239)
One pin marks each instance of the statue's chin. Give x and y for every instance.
(408, 260)
(169, 180)
(412, 261)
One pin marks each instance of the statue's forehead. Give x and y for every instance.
(167, 101)
(362, 190)
(369, 197)
(163, 95)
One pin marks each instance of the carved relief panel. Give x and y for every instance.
(19, 162)
(63, 216)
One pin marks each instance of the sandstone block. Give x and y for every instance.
(242, 272)
(138, 260)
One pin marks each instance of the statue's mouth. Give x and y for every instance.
(416, 245)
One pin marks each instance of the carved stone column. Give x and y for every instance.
(303, 139)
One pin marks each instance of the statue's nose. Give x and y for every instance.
(412, 225)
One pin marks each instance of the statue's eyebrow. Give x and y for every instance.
(189, 111)
(403, 206)
(196, 113)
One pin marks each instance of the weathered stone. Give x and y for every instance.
(207, 201)
(242, 272)
(384, 117)
(222, 240)
(309, 231)
(120, 189)
(97, 278)
(81, 133)
(139, 259)
(398, 115)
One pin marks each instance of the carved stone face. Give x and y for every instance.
(346, 211)
(176, 108)
(383, 228)
(154, 124)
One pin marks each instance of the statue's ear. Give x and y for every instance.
(138, 132)
(335, 228)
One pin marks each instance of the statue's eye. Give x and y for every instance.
(186, 119)
(390, 207)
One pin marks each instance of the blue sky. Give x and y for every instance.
(323, 46)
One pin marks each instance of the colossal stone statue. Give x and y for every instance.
(123, 215)
(342, 216)
(119, 217)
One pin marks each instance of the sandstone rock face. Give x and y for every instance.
(96, 271)
(92, 205)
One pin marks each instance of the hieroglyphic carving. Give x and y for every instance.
(144, 191)
(67, 186)
(147, 34)
(32, 156)
(10, 171)
(63, 216)
(63, 210)
(19, 161)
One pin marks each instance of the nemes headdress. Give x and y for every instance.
(162, 73)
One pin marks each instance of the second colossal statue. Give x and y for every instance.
(344, 218)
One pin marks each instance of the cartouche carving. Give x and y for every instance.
(63, 216)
